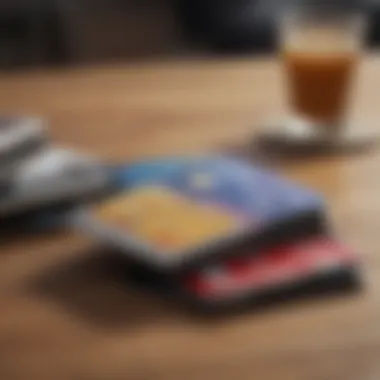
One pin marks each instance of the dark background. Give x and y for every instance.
(63, 32)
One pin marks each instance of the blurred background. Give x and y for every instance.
(69, 32)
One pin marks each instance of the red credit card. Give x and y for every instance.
(279, 267)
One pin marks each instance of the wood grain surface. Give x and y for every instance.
(66, 311)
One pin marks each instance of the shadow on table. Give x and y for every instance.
(10, 235)
(96, 287)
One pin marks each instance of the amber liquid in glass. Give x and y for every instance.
(319, 83)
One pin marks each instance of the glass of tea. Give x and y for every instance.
(320, 46)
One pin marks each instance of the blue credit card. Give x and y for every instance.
(173, 212)
(255, 193)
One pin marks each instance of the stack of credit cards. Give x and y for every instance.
(222, 230)
(36, 175)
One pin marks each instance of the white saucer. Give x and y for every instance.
(294, 135)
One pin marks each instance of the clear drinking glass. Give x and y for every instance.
(321, 48)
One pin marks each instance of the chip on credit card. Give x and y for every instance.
(166, 219)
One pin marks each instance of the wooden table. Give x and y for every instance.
(66, 313)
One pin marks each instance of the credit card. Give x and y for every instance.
(173, 212)
(274, 271)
